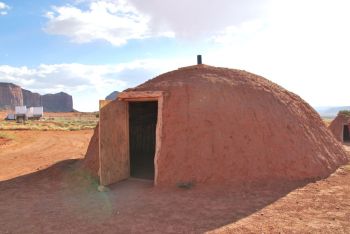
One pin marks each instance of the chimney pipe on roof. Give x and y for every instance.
(199, 59)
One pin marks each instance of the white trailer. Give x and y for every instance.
(30, 113)
(21, 110)
(10, 117)
(21, 113)
(36, 112)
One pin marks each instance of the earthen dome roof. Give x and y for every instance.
(230, 125)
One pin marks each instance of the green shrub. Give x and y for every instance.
(344, 112)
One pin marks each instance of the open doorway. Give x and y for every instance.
(142, 138)
(346, 133)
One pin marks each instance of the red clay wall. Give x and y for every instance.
(337, 126)
(222, 125)
(230, 126)
(91, 160)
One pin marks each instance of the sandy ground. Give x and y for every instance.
(3, 141)
(63, 199)
(3, 115)
(35, 150)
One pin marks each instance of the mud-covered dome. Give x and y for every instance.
(340, 126)
(226, 125)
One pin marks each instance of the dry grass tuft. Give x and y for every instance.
(6, 135)
(59, 122)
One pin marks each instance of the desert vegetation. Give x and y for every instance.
(55, 121)
(327, 121)
(344, 112)
(6, 136)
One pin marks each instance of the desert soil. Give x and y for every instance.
(31, 151)
(3, 141)
(42, 190)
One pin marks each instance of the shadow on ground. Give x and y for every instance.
(64, 199)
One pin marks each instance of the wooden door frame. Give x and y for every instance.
(144, 96)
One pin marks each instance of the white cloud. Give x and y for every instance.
(198, 18)
(301, 45)
(112, 21)
(118, 21)
(4, 8)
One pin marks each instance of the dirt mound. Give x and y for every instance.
(91, 161)
(223, 125)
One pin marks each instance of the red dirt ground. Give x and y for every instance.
(35, 150)
(3, 114)
(3, 141)
(64, 199)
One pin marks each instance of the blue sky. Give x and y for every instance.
(89, 48)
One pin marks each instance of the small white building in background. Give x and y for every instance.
(22, 112)
(11, 117)
(35, 112)
(30, 113)
(38, 111)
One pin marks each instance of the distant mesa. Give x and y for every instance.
(12, 95)
(59, 102)
(112, 96)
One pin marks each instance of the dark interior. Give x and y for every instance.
(346, 134)
(142, 130)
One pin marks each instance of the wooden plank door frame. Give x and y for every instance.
(137, 96)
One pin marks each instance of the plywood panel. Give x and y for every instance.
(114, 142)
